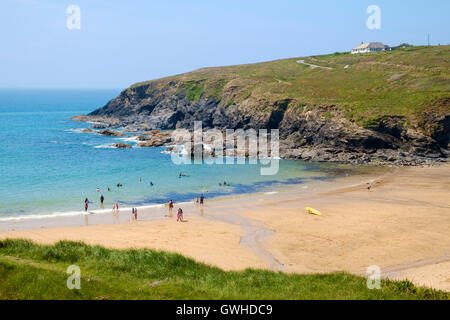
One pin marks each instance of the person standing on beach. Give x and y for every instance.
(135, 214)
(170, 208)
(180, 215)
(86, 205)
(202, 198)
(102, 199)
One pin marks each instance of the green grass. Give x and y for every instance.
(31, 271)
(405, 82)
(194, 90)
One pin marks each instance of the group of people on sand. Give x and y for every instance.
(200, 200)
(179, 212)
(134, 211)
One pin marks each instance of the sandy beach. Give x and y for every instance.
(401, 225)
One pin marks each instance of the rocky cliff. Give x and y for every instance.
(372, 108)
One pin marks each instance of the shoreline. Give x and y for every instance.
(72, 218)
(256, 188)
(403, 220)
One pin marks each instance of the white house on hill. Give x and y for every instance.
(370, 47)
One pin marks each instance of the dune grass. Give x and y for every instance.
(31, 271)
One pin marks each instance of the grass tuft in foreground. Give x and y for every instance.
(31, 271)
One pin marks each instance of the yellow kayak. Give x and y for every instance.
(313, 211)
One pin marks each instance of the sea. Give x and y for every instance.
(49, 166)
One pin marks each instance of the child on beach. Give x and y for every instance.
(180, 215)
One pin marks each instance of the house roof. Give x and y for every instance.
(371, 45)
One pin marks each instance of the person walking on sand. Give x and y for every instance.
(170, 208)
(135, 214)
(180, 215)
(86, 205)
(202, 198)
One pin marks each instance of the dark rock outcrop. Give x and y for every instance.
(121, 146)
(156, 139)
(314, 133)
(111, 133)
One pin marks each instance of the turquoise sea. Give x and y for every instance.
(49, 167)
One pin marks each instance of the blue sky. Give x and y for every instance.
(122, 42)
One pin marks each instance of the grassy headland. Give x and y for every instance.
(31, 271)
(406, 82)
(383, 107)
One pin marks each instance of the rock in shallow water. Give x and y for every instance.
(111, 133)
(121, 146)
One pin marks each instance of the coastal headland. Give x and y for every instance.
(379, 108)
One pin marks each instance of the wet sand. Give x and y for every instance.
(402, 225)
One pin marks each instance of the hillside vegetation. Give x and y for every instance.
(30, 271)
(405, 82)
(391, 106)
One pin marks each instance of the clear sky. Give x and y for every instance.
(121, 42)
